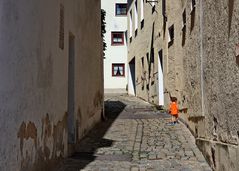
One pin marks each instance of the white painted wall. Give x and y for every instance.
(114, 54)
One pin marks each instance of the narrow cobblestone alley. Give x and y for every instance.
(136, 137)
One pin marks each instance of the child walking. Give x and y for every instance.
(173, 111)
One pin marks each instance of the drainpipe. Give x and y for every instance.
(201, 57)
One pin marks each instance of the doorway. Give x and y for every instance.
(131, 85)
(160, 79)
(71, 90)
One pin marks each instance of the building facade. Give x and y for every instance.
(115, 68)
(51, 89)
(189, 49)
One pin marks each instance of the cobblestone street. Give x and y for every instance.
(135, 137)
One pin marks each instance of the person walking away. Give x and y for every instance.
(173, 110)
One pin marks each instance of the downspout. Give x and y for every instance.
(201, 57)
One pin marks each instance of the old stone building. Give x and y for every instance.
(189, 49)
(51, 89)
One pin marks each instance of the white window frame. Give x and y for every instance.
(193, 5)
(136, 15)
(130, 24)
(142, 9)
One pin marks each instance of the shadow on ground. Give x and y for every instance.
(94, 139)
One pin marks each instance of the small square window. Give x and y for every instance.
(117, 38)
(118, 70)
(120, 9)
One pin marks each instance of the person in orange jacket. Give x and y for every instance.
(173, 110)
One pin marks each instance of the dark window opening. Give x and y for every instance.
(184, 28)
(130, 25)
(118, 70)
(135, 32)
(163, 8)
(117, 38)
(153, 9)
(164, 16)
(152, 55)
(170, 36)
(184, 18)
(142, 62)
(193, 4)
(125, 34)
(192, 19)
(147, 55)
(120, 9)
(193, 11)
(142, 24)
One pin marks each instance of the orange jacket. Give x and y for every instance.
(173, 108)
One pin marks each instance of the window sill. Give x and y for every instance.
(121, 15)
(118, 76)
(117, 44)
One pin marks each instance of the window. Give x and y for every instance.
(152, 55)
(193, 5)
(170, 35)
(120, 9)
(142, 13)
(163, 8)
(117, 38)
(153, 6)
(130, 26)
(118, 70)
(142, 62)
(184, 28)
(184, 19)
(136, 17)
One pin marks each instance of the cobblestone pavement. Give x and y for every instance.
(136, 138)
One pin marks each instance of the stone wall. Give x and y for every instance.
(34, 79)
(148, 36)
(200, 69)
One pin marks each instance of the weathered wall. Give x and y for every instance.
(149, 36)
(207, 84)
(201, 70)
(34, 79)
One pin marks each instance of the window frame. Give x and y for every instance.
(116, 9)
(112, 38)
(193, 5)
(130, 26)
(118, 64)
